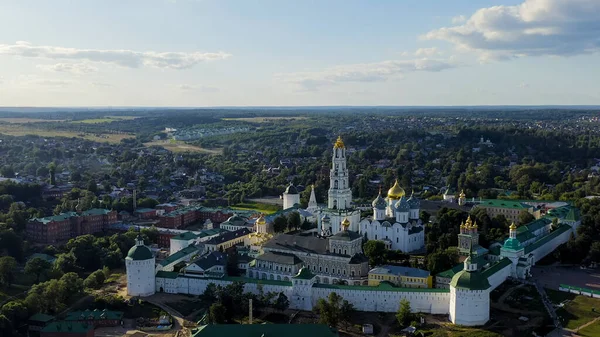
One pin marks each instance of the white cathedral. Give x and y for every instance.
(395, 219)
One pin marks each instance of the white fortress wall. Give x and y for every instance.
(363, 300)
(499, 277)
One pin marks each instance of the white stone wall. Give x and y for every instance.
(177, 245)
(389, 301)
(140, 277)
(469, 307)
(304, 296)
(289, 200)
(499, 277)
(550, 246)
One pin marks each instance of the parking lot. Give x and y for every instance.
(551, 277)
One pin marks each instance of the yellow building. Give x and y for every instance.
(405, 277)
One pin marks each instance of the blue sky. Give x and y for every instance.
(239, 53)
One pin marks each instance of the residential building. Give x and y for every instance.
(62, 227)
(96, 318)
(406, 277)
(227, 240)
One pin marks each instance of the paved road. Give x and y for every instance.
(179, 324)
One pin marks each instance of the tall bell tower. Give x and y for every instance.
(340, 194)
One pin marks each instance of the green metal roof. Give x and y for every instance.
(470, 280)
(167, 274)
(265, 330)
(94, 315)
(96, 211)
(138, 253)
(512, 244)
(67, 327)
(145, 210)
(546, 238)
(187, 236)
(451, 272)
(383, 286)
(495, 250)
(179, 255)
(304, 274)
(501, 203)
(41, 318)
(496, 267)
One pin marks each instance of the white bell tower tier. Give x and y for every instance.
(340, 195)
(140, 265)
(339, 202)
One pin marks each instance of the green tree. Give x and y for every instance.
(294, 220)
(52, 172)
(282, 302)
(6, 328)
(329, 309)
(279, 224)
(8, 268)
(525, 217)
(147, 203)
(404, 316)
(37, 267)
(16, 312)
(95, 280)
(217, 314)
(375, 251)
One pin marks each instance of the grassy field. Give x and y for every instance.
(106, 119)
(22, 130)
(577, 311)
(24, 120)
(175, 146)
(263, 119)
(592, 330)
(255, 206)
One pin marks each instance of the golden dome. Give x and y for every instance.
(462, 224)
(346, 223)
(462, 194)
(468, 222)
(513, 226)
(396, 192)
(475, 224)
(339, 143)
(261, 220)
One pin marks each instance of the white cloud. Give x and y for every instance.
(101, 84)
(532, 28)
(74, 68)
(124, 58)
(459, 19)
(427, 52)
(523, 85)
(202, 88)
(364, 72)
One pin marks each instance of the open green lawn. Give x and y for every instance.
(256, 206)
(592, 330)
(24, 130)
(578, 309)
(179, 146)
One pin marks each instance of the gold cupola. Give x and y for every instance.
(396, 192)
(339, 143)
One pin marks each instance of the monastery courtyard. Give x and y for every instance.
(552, 276)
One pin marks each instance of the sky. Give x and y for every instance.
(299, 53)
